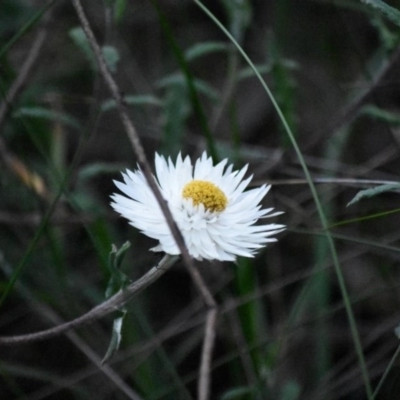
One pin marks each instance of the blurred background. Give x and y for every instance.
(283, 332)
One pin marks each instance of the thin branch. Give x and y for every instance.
(353, 182)
(349, 114)
(112, 304)
(204, 381)
(139, 152)
(52, 316)
(16, 88)
(8, 218)
(23, 74)
(206, 355)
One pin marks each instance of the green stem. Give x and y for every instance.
(324, 222)
(384, 376)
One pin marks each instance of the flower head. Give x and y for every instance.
(208, 203)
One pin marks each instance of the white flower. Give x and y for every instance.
(215, 215)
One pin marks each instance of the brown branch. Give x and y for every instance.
(204, 381)
(203, 387)
(112, 304)
(48, 313)
(139, 152)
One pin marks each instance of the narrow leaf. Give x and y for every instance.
(249, 73)
(237, 393)
(397, 332)
(116, 337)
(79, 38)
(121, 253)
(110, 53)
(51, 115)
(239, 14)
(200, 85)
(374, 192)
(291, 391)
(92, 170)
(119, 10)
(118, 280)
(202, 49)
(176, 112)
(111, 57)
(381, 115)
(390, 12)
(133, 101)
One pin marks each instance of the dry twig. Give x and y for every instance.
(139, 152)
(23, 75)
(112, 304)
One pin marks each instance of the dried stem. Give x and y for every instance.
(138, 149)
(23, 74)
(112, 304)
(16, 88)
(204, 381)
(206, 355)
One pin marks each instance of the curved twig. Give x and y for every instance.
(112, 304)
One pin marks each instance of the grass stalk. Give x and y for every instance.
(323, 219)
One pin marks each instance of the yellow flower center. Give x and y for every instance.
(206, 193)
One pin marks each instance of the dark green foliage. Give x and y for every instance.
(283, 326)
(118, 281)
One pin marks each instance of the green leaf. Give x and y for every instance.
(200, 85)
(26, 27)
(110, 53)
(291, 391)
(111, 57)
(250, 314)
(120, 254)
(388, 38)
(118, 280)
(79, 38)
(397, 332)
(238, 393)
(374, 192)
(390, 12)
(119, 10)
(92, 170)
(381, 115)
(116, 337)
(133, 100)
(44, 113)
(240, 15)
(190, 81)
(176, 112)
(248, 71)
(202, 49)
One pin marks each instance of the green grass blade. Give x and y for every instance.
(24, 29)
(46, 218)
(324, 222)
